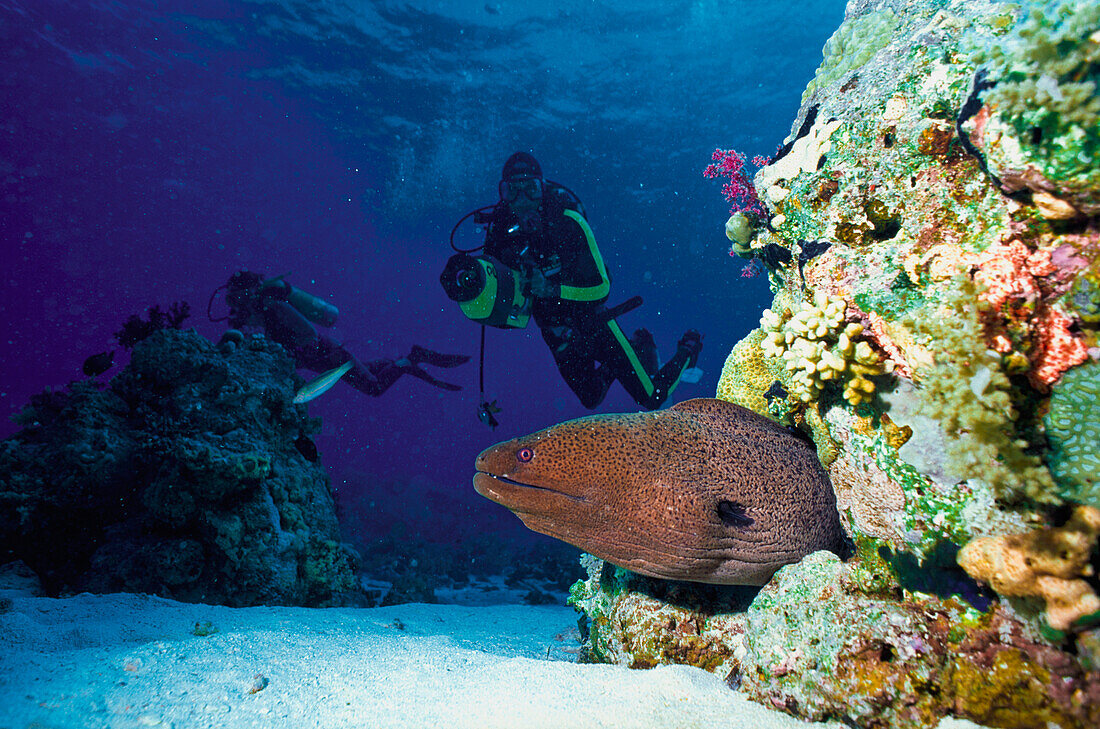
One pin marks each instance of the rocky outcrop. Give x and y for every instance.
(187, 476)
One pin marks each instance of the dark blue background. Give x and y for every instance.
(149, 150)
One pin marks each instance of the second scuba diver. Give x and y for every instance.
(287, 315)
(540, 259)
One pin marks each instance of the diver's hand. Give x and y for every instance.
(539, 285)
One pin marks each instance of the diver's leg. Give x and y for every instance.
(575, 356)
(645, 348)
(626, 365)
(687, 354)
(388, 371)
(362, 378)
(380, 375)
(422, 355)
(323, 354)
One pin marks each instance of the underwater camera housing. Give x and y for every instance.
(487, 291)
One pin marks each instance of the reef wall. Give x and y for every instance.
(191, 476)
(933, 246)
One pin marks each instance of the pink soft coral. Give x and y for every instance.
(1057, 350)
(739, 191)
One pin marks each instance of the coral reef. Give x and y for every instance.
(932, 232)
(181, 479)
(822, 641)
(642, 622)
(1039, 127)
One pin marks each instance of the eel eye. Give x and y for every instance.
(523, 455)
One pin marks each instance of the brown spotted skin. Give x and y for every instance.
(642, 490)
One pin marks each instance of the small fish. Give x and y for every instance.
(705, 491)
(776, 392)
(97, 364)
(322, 384)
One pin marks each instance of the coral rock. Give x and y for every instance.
(1049, 563)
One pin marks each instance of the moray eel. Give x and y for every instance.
(705, 491)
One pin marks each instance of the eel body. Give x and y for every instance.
(705, 491)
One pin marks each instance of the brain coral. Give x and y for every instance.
(747, 375)
(1073, 431)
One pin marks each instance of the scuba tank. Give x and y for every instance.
(315, 309)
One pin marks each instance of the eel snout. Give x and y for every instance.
(503, 476)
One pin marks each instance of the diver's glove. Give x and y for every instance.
(540, 285)
(692, 344)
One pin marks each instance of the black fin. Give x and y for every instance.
(733, 514)
(307, 448)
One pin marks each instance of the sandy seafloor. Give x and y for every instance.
(124, 661)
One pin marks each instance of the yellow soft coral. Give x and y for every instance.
(816, 346)
(1048, 563)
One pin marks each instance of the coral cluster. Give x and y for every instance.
(823, 639)
(1039, 128)
(739, 191)
(817, 346)
(135, 329)
(967, 390)
(182, 478)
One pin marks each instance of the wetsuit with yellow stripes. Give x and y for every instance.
(590, 349)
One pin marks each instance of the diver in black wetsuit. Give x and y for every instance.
(538, 233)
(287, 315)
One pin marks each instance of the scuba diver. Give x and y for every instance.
(287, 315)
(540, 259)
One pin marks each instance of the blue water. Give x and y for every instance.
(151, 149)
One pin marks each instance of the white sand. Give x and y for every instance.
(124, 661)
(132, 661)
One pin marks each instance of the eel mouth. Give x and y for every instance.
(511, 493)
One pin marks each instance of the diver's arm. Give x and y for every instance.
(583, 275)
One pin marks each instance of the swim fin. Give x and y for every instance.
(412, 369)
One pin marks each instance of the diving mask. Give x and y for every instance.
(511, 190)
